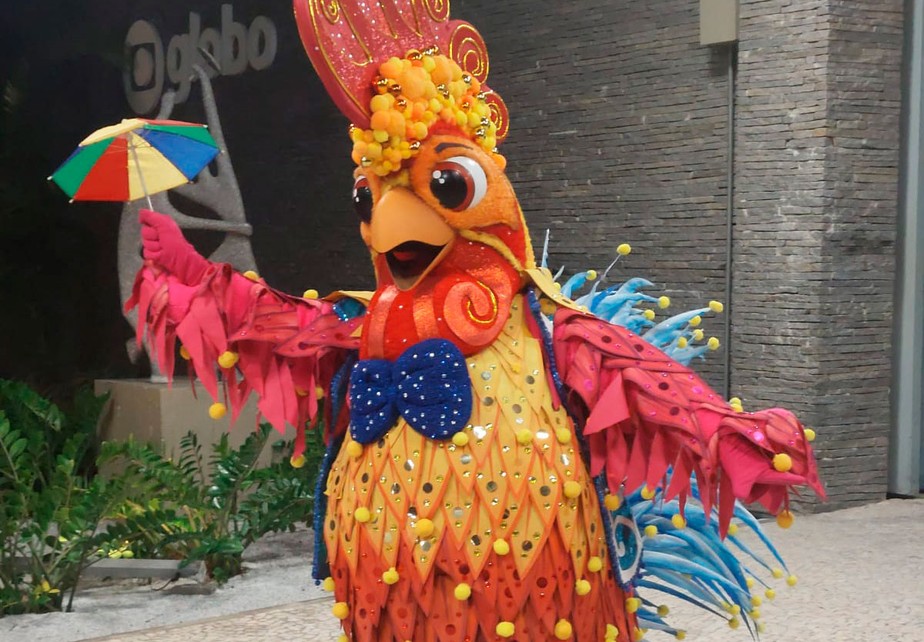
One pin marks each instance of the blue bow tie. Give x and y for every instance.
(428, 385)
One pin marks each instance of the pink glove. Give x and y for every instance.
(164, 245)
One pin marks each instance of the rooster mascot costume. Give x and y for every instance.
(503, 464)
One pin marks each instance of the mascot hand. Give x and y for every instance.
(164, 245)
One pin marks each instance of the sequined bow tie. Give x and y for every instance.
(428, 385)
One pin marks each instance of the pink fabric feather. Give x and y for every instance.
(645, 413)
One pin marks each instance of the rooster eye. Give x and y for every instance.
(362, 199)
(458, 183)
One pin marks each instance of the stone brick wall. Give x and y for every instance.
(618, 134)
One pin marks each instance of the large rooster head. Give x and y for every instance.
(446, 234)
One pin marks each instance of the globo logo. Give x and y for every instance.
(150, 66)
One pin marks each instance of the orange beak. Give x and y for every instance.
(411, 234)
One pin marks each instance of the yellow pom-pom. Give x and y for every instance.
(595, 564)
(460, 439)
(755, 614)
(639, 635)
(651, 530)
(749, 582)
(591, 275)
(732, 529)
(698, 334)
(184, 353)
(734, 609)
(319, 392)
(784, 519)
(391, 576)
(612, 632)
(612, 502)
(648, 493)
(633, 604)
(782, 462)
(524, 436)
(681, 635)
(462, 591)
(563, 630)
(228, 359)
(777, 573)
(649, 314)
(792, 580)
(362, 515)
(664, 302)
(713, 343)
(582, 587)
(761, 628)
(809, 434)
(756, 601)
(297, 461)
(501, 547)
(572, 489)
(682, 342)
(328, 584)
(563, 435)
(250, 274)
(424, 528)
(678, 521)
(310, 294)
(354, 449)
(505, 629)
(217, 410)
(342, 638)
(623, 249)
(695, 321)
(716, 306)
(734, 623)
(770, 593)
(734, 401)
(341, 610)
(663, 610)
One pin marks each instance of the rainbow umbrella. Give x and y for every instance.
(134, 159)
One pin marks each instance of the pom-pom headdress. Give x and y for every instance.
(399, 70)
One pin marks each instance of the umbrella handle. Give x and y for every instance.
(144, 187)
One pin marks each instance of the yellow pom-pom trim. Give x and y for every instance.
(563, 435)
(341, 610)
(563, 630)
(612, 502)
(297, 461)
(681, 635)
(184, 353)
(785, 519)
(770, 593)
(416, 93)
(391, 576)
(756, 601)
(572, 489)
(328, 584)
(623, 249)
(342, 638)
(678, 521)
(732, 529)
(501, 547)
(664, 302)
(716, 306)
(228, 359)
(460, 439)
(663, 610)
(648, 493)
(595, 564)
(462, 591)
(755, 614)
(749, 582)
(633, 604)
(782, 463)
(354, 449)
(582, 587)
(698, 334)
(524, 436)
(695, 321)
(591, 275)
(734, 623)
(250, 274)
(217, 410)
(310, 294)
(651, 530)
(639, 635)
(505, 629)
(649, 314)
(777, 573)
(424, 528)
(362, 515)
(792, 580)
(682, 342)
(809, 434)
(612, 632)
(713, 343)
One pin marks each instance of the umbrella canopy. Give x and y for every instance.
(135, 158)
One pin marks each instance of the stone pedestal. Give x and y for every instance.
(162, 415)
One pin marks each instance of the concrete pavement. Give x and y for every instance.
(860, 570)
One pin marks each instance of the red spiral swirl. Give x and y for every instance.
(499, 114)
(467, 48)
(438, 9)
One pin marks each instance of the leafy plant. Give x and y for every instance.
(50, 512)
(208, 508)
